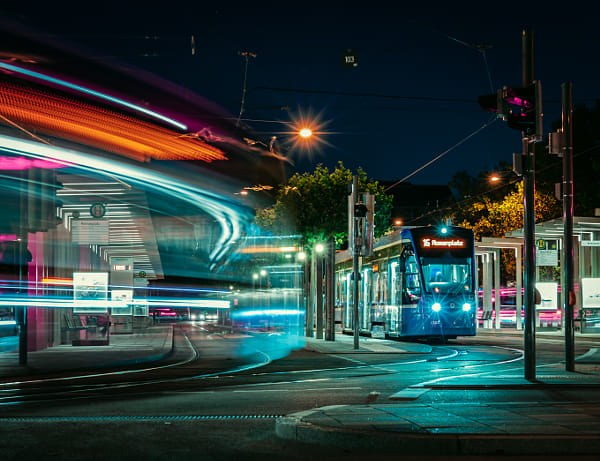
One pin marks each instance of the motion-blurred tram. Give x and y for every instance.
(419, 283)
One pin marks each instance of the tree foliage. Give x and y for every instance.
(316, 205)
(494, 218)
(489, 217)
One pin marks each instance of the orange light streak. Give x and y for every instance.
(98, 127)
(58, 281)
(268, 249)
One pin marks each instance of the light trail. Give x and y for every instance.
(230, 215)
(88, 91)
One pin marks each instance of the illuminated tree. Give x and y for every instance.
(316, 205)
(494, 218)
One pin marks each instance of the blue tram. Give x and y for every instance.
(419, 283)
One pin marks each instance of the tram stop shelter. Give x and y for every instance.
(549, 273)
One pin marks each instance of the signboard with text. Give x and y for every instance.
(590, 292)
(121, 301)
(90, 292)
(549, 295)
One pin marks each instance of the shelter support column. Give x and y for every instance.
(497, 297)
(487, 290)
(519, 286)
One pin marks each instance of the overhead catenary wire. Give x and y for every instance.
(450, 149)
(473, 198)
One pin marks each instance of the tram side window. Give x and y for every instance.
(411, 283)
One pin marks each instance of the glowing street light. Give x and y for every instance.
(305, 132)
(319, 248)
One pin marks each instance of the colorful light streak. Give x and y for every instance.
(98, 127)
(21, 163)
(69, 303)
(88, 91)
(268, 249)
(229, 214)
(266, 312)
(56, 281)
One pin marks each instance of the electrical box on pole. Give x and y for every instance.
(369, 200)
(356, 213)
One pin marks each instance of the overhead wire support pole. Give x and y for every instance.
(567, 282)
(529, 220)
(355, 262)
(246, 55)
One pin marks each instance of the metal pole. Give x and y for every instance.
(567, 283)
(319, 295)
(310, 305)
(330, 291)
(307, 297)
(355, 256)
(529, 220)
(21, 312)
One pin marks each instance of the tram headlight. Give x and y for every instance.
(466, 307)
(436, 307)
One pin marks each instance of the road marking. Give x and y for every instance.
(349, 359)
(410, 393)
(296, 390)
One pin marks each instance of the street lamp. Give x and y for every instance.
(305, 132)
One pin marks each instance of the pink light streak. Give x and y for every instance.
(23, 163)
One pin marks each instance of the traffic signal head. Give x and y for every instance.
(520, 107)
(494, 103)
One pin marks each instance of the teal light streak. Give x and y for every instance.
(82, 89)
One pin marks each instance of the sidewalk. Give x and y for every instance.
(475, 425)
(150, 344)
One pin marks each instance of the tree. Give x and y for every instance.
(465, 185)
(316, 205)
(494, 218)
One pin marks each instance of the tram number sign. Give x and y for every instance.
(437, 243)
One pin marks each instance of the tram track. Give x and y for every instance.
(79, 386)
(182, 373)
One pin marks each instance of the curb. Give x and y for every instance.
(367, 437)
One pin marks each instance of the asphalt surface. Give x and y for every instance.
(462, 428)
(402, 424)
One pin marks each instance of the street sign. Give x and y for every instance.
(542, 244)
(97, 210)
(350, 58)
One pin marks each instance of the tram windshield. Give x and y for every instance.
(443, 275)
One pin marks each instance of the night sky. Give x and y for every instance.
(412, 97)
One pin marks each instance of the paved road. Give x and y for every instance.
(256, 414)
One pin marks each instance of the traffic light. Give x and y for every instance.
(520, 107)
